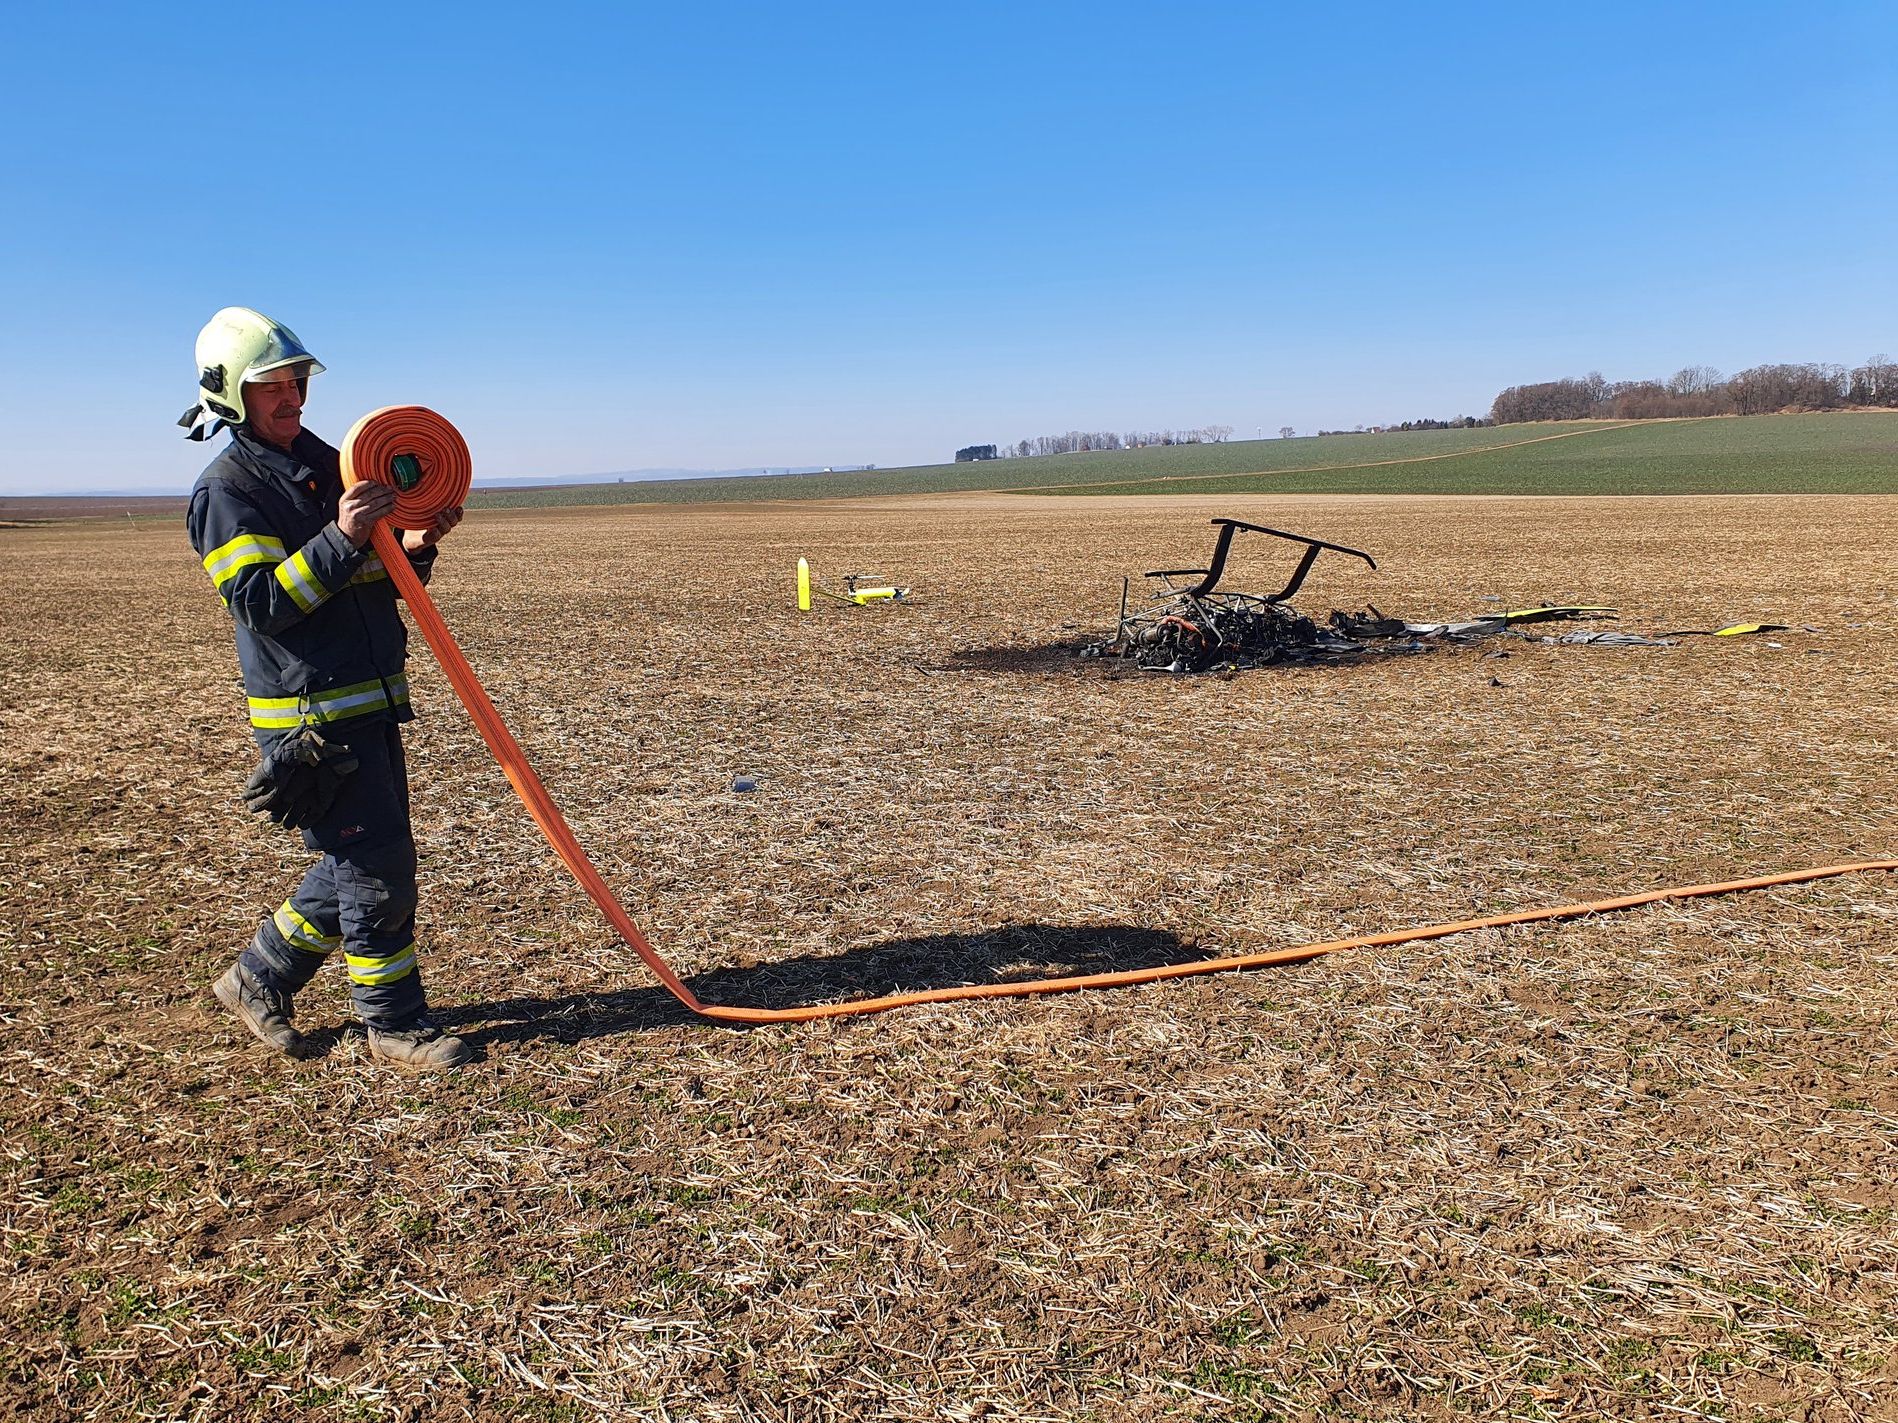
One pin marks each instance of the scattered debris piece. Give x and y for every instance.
(860, 589)
(1546, 613)
(1736, 630)
(1603, 639)
(1471, 629)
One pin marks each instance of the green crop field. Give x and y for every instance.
(1841, 453)
(1844, 453)
(1172, 461)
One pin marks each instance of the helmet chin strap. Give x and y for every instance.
(200, 424)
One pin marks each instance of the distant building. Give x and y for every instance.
(975, 452)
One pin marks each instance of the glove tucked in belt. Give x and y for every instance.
(296, 782)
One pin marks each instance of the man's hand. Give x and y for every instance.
(362, 508)
(415, 540)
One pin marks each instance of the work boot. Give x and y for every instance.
(419, 1046)
(265, 1010)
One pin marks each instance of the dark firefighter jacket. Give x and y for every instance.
(319, 638)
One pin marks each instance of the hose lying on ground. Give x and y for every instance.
(425, 458)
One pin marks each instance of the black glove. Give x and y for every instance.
(297, 781)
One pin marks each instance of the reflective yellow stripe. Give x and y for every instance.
(371, 571)
(300, 582)
(373, 973)
(336, 704)
(300, 933)
(225, 561)
(273, 714)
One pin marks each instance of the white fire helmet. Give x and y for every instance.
(239, 345)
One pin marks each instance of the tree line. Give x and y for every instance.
(1701, 390)
(1690, 391)
(1462, 422)
(1077, 442)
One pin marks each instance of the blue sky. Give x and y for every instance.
(604, 237)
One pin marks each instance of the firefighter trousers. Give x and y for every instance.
(361, 896)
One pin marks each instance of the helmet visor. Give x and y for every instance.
(282, 352)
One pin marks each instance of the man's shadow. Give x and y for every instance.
(1014, 953)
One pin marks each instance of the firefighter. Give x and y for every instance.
(321, 646)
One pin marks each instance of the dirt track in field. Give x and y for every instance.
(1640, 1166)
(1592, 429)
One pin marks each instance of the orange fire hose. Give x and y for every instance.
(427, 461)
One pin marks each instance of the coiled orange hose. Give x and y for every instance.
(419, 454)
(369, 452)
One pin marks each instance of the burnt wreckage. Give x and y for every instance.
(1198, 627)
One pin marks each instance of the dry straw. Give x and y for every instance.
(1634, 1167)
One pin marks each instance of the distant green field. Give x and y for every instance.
(1846, 453)
(1242, 457)
(1842, 453)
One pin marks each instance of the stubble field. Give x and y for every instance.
(1638, 1166)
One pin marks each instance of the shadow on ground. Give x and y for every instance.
(1065, 659)
(1013, 953)
(1050, 657)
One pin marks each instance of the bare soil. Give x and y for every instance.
(60, 508)
(1639, 1166)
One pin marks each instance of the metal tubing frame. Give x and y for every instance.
(1209, 577)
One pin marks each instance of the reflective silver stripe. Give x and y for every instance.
(227, 557)
(228, 566)
(297, 578)
(279, 713)
(340, 707)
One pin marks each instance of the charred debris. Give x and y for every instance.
(1191, 624)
